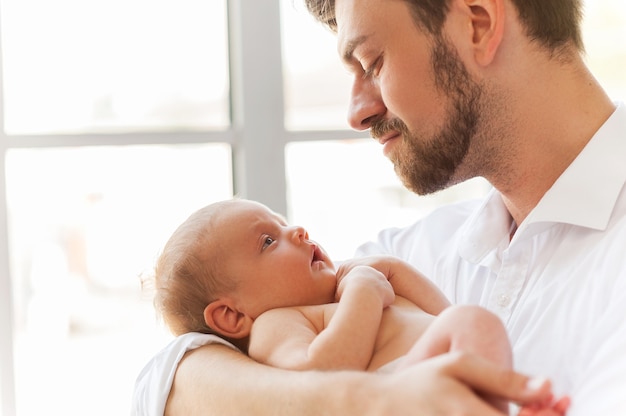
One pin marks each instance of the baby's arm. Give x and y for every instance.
(406, 280)
(288, 338)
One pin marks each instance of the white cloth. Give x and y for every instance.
(559, 285)
(155, 380)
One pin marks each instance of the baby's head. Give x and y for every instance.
(188, 274)
(233, 260)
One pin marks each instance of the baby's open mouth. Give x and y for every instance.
(317, 254)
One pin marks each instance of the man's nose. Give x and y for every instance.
(366, 104)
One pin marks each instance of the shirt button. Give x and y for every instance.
(504, 300)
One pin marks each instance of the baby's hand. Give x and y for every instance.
(382, 263)
(365, 278)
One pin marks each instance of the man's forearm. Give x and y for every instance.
(216, 380)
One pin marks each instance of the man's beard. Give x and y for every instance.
(428, 164)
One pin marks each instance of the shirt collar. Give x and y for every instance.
(586, 192)
(584, 195)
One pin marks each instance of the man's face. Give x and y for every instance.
(411, 90)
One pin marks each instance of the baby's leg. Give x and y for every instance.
(466, 328)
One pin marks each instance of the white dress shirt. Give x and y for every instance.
(559, 285)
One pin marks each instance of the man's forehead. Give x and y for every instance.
(352, 25)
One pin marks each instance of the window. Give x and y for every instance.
(116, 127)
(86, 225)
(122, 117)
(94, 66)
(315, 82)
(604, 34)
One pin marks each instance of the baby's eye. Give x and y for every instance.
(267, 242)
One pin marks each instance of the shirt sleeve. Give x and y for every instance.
(154, 382)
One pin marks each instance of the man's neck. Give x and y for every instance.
(554, 120)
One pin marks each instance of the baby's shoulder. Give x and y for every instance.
(316, 310)
(313, 313)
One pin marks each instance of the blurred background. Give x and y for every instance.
(121, 117)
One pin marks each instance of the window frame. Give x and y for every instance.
(257, 136)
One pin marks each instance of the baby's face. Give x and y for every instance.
(273, 264)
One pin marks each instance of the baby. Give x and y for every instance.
(237, 270)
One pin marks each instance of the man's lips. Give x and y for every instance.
(387, 141)
(387, 136)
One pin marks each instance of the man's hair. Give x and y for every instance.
(552, 23)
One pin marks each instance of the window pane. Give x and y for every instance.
(84, 225)
(604, 33)
(356, 194)
(101, 65)
(316, 84)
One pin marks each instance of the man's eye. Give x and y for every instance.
(372, 69)
(267, 242)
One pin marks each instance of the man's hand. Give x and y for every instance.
(456, 383)
(382, 263)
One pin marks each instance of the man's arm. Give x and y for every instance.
(343, 338)
(217, 380)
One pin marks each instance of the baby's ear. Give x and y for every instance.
(221, 316)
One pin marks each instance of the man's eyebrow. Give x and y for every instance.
(348, 52)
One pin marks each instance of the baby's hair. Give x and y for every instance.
(188, 275)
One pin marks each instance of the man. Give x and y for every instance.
(454, 90)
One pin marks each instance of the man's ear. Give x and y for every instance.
(487, 18)
(226, 320)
